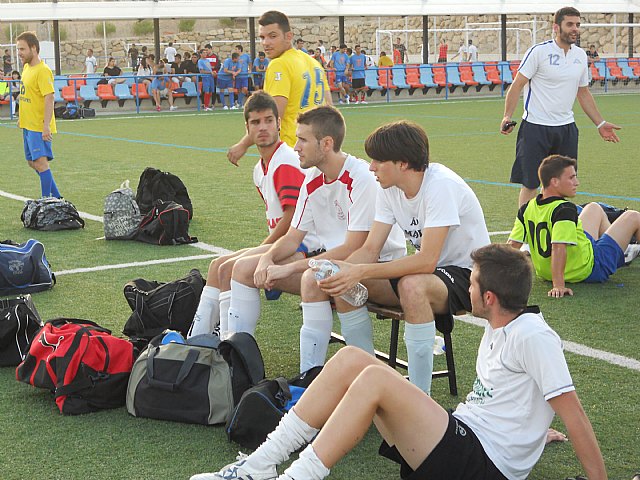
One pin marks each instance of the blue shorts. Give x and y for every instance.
(242, 82)
(34, 146)
(207, 84)
(258, 80)
(607, 258)
(224, 83)
(341, 78)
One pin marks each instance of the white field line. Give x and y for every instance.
(573, 347)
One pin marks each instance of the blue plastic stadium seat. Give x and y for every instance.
(453, 75)
(479, 74)
(191, 90)
(57, 95)
(505, 72)
(426, 76)
(399, 78)
(627, 71)
(92, 81)
(88, 94)
(123, 93)
(371, 80)
(59, 82)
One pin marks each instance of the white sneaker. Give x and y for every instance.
(347, 99)
(173, 108)
(363, 102)
(237, 471)
(357, 102)
(207, 109)
(235, 107)
(632, 252)
(225, 108)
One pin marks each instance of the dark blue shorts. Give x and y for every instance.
(207, 84)
(608, 257)
(341, 77)
(34, 146)
(242, 82)
(258, 80)
(224, 83)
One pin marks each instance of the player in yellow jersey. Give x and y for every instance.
(36, 111)
(293, 78)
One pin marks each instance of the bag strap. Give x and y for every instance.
(247, 349)
(185, 369)
(284, 394)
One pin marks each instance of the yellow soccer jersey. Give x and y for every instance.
(37, 82)
(301, 80)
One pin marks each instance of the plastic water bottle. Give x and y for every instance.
(356, 296)
(438, 345)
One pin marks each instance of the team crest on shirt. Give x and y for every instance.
(339, 212)
(278, 76)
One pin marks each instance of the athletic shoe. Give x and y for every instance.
(340, 101)
(632, 252)
(173, 108)
(347, 99)
(235, 107)
(363, 101)
(225, 108)
(158, 108)
(357, 102)
(237, 471)
(207, 109)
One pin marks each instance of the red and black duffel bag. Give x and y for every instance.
(85, 367)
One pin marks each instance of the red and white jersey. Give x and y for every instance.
(330, 209)
(214, 62)
(278, 183)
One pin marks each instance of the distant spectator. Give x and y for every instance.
(384, 60)
(339, 61)
(179, 70)
(357, 65)
(15, 87)
(259, 67)
(90, 63)
(332, 50)
(161, 87)
(242, 79)
(472, 52)
(112, 72)
(228, 73)
(170, 53)
(462, 52)
(317, 54)
(151, 61)
(442, 51)
(144, 72)
(300, 45)
(322, 48)
(133, 53)
(191, 64)
(399, 51)
(208, 85)
(215, 63)
(370, 62)
(6, 62)
(592, 54)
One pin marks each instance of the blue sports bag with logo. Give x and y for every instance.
(24, 268)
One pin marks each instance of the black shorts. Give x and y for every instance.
(457, 280)
(537, 142)
(458, 456)
(357, 83)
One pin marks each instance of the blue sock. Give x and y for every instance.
(241, 98)
(419, 338)
(54, 188)
(46, 180)
(232, 98)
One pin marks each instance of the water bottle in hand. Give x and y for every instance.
(356, 296)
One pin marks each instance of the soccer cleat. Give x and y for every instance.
(347, 99)
(363, 102)
(207, 109)
(238, 471)
(340, 101)
(632, 252)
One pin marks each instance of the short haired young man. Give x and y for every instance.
(278, 178)
(339, 61)
(552, 74)
(242, 79)
(260, 65)
(161, 87)
(295, 80)
(441, 216)
(356, 66)
(499, 432)
(36, 111)
(208, 80)
(334, 204)
(565, 246)
(226, 79)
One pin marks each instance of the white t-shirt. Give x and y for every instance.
(553, 84)
(473, 53)
(444, 200)
(90, 64)
(346, 204)
(170, 54)
(519, 368)
(279, 185)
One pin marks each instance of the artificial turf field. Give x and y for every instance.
(94, 156)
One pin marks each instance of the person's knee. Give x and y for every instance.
(309, 289)
(352, 359)
(243, 270)
(225, 269)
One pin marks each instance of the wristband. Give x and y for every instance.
(601, 124)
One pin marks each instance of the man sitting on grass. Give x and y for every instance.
(565, 246)
(499, 432)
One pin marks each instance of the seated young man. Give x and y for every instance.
(334, 203)
(497, 433)
(567, 247)
(161, 87)
(278, 178)
(441, 216)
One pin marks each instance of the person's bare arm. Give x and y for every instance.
(49, 101)
(558, 264)
(588, 104)
(511, 101)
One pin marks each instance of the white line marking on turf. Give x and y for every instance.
(506, 232)
(577, 348)
(132, 264)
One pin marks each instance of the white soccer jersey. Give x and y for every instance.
(553, 84)
(279, 185)
(519, 367)
(346, 204)
(444, 200)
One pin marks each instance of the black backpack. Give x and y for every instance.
(156, 185)
(158, 306)
(261, 407)
(50, 214)
(19, 322)
(166, 224)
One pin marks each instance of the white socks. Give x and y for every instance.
(290, 434)
(357, 329)
(419, 338)
(307, 467)
(206, 317)
(317, 321)
(244, 309)
(225, 300)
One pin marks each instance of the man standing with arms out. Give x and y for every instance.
(278, 178)
(356, 66)
(566, 247)
(295, 80)
(208, 80)
(339, 61)
(462, 53)
(499, 432)
(441, 216)
(552, 74)
(36, 111)
(90, 63)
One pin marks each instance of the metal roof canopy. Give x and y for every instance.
(132, 10)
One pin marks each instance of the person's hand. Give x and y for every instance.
(235, 153)
(503, 130)
(558, 292)
(607, 132)
(46, 133)
(342, 281)
(555, 436)
(260, 274)
(275, 273)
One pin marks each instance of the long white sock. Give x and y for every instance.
(225, 300)
(419, 338)
(244, 309)
(317, 321)
(308, 467)
(206, 316)
(291, 433)
(357, 329)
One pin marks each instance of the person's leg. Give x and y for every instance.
(170, 97)
(317, 322)
(232, 97)
(532, 146)
(594, 220)
(626, 226)
(156, 97)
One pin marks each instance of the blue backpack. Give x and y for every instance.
(24, 268)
